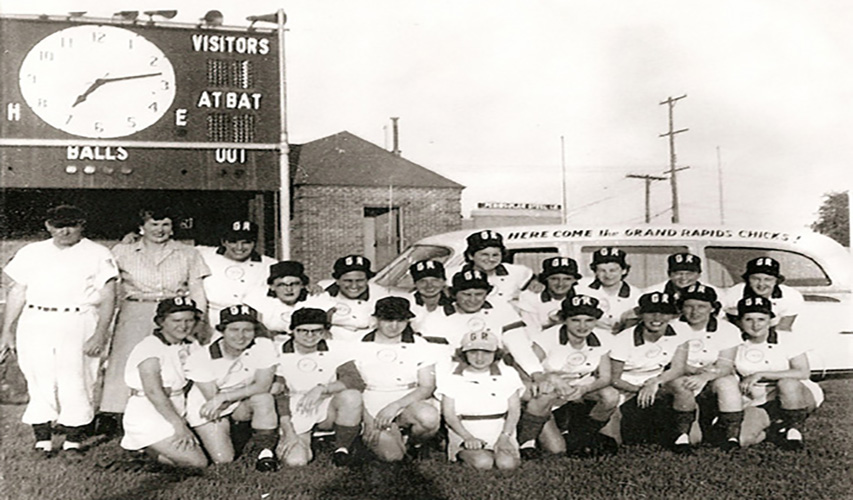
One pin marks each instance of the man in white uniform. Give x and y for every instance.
(62, 298)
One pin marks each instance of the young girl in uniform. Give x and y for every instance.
(154, 418)
(232, 378)
(481, 404)
(773, 377)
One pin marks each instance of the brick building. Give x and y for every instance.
(352, 196)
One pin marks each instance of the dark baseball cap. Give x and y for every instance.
(309, 316)
(427, 268)
(393, 308)
(580, 305)
(352, 263)
(176, 304)
(658, 302)
(65, 216)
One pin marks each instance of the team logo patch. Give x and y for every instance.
(654, 351)
(476, 325)
(754, 355)
(342, 309)
(306, 365)
(604, 305)
(695, 345)
(387, 355)
(183, 354)
(234, 272)
(576, 359)
(285, 316)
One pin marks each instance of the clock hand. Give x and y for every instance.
(101, 81)
(82, 97)
(132, 77)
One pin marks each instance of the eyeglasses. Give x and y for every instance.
(289, 285)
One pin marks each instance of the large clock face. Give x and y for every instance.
(97, 81)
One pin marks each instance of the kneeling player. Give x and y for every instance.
(773, 371)
(396, 366)
(643, 359)
(577, 365)
(313, 396)
(232, 377)
(481, 403)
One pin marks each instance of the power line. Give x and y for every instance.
(648, 181)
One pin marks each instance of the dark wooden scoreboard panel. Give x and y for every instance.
(93, 104)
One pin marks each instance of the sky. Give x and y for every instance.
(498, 94)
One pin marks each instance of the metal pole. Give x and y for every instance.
(565, 195)
(648, 188)
(284, 150)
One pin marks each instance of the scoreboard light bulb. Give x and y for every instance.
(126, 170)
(71, 169)
(108, 170)
(89, 169)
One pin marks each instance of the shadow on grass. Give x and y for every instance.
(375, 479)
(161, 480)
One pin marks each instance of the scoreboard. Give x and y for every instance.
(105, 104)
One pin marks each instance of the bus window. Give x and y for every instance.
(727, 264)
(532, 257)
(396, 274)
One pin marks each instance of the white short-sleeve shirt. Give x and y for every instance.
(273, 313)
(478, 393)
(229, 281)
(705, 345)
(172, 358)
(788, 302)
(613, 305)
(539, 310)
(304, 371)
(643, 359)
(562, 357)
(68, 276)
(507, 280)
(353, 318)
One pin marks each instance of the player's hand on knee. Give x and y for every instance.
(184, 439)
(310, 401)
(386, 416)
(473, 443)
(211, 409)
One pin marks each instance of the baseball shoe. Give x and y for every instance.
(681, 446)
(266, 461)
(793, 440)
(529, 453)
(43, 452)
(342, 457)
(73, 453)
(416, 452)
(730, 445)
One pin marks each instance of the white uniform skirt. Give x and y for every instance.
(304, 422)
(489, 430)
(144, 425)
(762, 393)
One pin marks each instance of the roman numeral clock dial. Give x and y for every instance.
(97, 81)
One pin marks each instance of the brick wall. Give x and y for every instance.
(328, 220)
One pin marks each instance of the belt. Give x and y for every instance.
(144, 299)
(395, 388)
(493, 416)
(169, 392)
(54, 309)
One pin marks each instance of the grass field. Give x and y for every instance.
(823, 470)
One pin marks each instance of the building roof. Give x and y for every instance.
(344, 159)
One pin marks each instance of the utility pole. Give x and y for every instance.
(671, 134)
(565, 211)
(648, 179)
(720, 184)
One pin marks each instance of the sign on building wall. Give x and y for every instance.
(132, 105)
